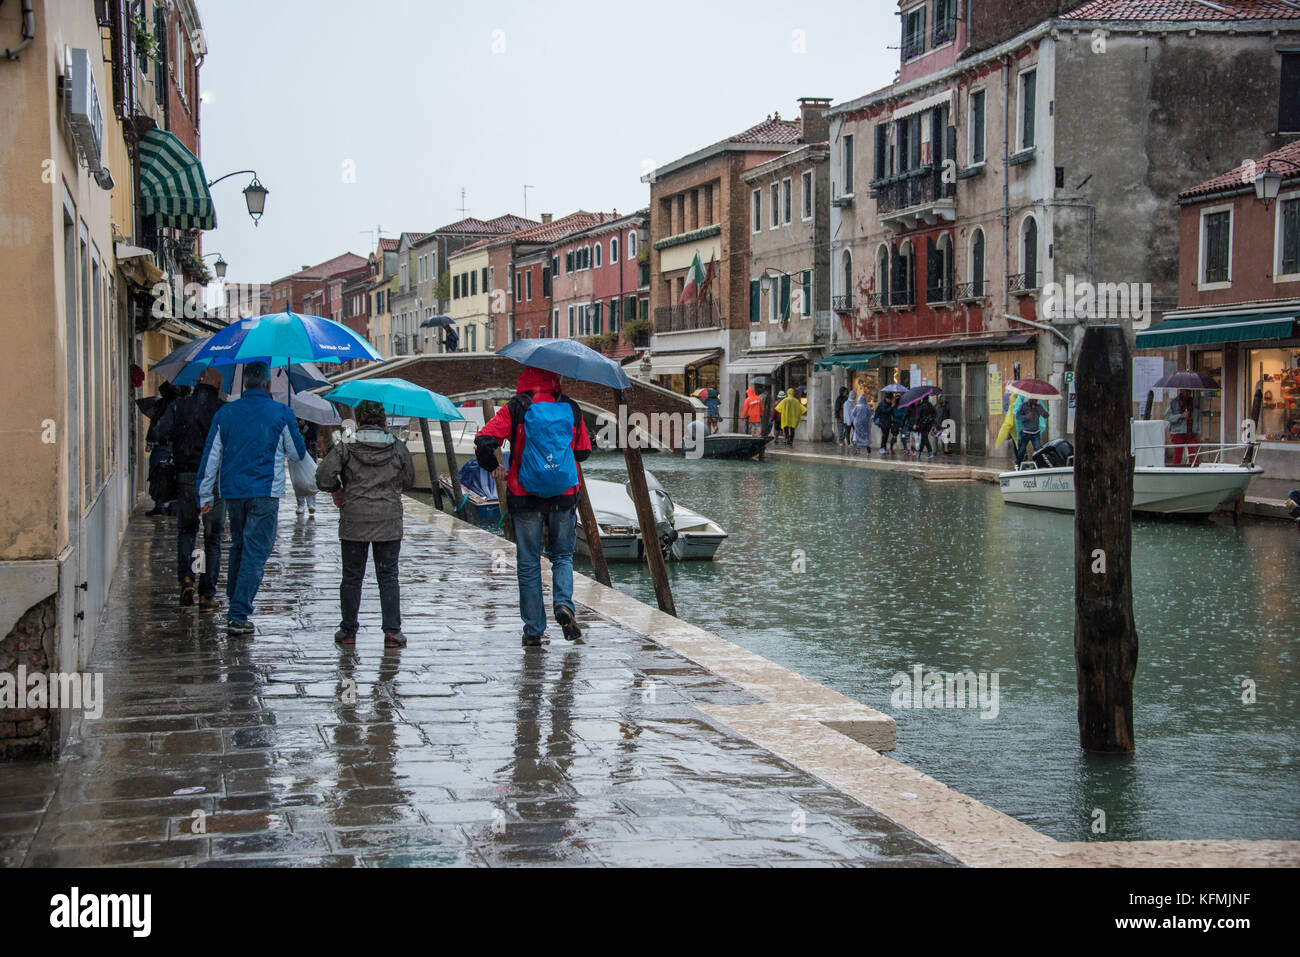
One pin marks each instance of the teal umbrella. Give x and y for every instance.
(398, 397)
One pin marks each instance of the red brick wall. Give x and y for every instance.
(1252, 261)
(993, 21)
(27, 732)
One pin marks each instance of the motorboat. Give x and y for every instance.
(722, 445)
(462, 443)
(1211, 482)
(684, 535)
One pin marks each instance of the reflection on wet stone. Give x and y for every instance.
(460, 750)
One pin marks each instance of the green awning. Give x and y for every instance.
(172, 185)
(853, 361)
(1211, 329)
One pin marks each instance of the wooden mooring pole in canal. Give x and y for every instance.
(645, 512)
(1105, 633)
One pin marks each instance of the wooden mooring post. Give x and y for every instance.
(592, 531)
(645, 512)
(1105, 633)
(507, 526)
(453, 467)
(429, 461)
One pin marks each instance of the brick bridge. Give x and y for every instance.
(491, 376)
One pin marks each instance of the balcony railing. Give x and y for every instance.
(913, 46)
(964, 291)
(915, 188)
(902, 297)
(944, 32)
(939, 294)
(688, 316)
(842, 303)
(877, 301)
(1022, 282)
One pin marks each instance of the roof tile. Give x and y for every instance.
(1244, 175)
(1178, 10)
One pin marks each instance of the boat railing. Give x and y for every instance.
(1210, 453)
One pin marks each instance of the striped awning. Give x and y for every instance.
(173, 187)
(853, 361)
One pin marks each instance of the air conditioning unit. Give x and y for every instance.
(81, 107)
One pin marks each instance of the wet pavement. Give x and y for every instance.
(461, 749)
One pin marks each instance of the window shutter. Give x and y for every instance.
(785, 297)
(931, 269)
(950, 147)
(807, 292)
(1288, 119)
(568, 261)
(1291, 237)
(753, 300)
(598, 325)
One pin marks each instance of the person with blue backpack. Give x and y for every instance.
(547, 439)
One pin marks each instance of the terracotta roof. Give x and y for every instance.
(771, 131)
(331, 267)
(491, 227)
(389, 245)
(418, 237)
(558, 228)
(1176, 10)
(1244, 175)
(510, 222)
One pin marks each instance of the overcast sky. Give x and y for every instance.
(357, 115)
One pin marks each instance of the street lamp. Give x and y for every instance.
(219, 266)
(1268, 183)
(254, 193)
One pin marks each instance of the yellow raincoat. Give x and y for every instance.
(791, 411)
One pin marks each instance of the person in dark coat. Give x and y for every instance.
(309, 439)
(184, 428)
(884, 419)
(924, 423)
(372, 469)
(162, 471)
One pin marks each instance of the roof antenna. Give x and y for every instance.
(463, 210)
(526, 189)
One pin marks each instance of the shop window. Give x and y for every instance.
(1278, 371)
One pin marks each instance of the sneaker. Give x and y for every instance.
(208, 603)
(532, 641)
(187, 592)
(564, 618)
(239, 629)
(311, 509)
(394, 639)
(345, 637)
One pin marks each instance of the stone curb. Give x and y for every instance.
(839, 740)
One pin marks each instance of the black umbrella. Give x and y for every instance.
(913, 396)
(437, 321)
(1196, 381)
(149, 405)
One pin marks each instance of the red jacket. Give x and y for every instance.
(542, 386)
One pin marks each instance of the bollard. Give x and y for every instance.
(1105, 633)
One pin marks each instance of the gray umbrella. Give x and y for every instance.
(434, 321)
(1194, 381)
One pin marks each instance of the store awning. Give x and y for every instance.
(675, 363)
(1210, 329)
(852, 361)
(137, 265)
(760, 364)
(173, 187)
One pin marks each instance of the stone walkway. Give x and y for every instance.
(461, 749)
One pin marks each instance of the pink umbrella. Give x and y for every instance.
(1033, 389)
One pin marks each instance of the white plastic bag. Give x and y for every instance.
(303, 475)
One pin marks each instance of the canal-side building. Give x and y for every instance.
(1239, 302)
(407, 306)
(988, 179)
(620, 281)
(789, 278)
(383, 274)
(85, 97)
(699, 208)
(471, 300)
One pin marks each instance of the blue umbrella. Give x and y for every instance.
(894, 387)
(567, 357)
(177, 361)
(285, 338)
(398, 397)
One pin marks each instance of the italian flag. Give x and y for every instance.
(694, 279)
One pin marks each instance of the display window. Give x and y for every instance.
(1277, 370)
(1210, 362)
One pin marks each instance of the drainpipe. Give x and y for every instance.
(29, 31)
(1069, 348)
(1006, 185)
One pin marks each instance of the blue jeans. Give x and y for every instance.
(1025, 439)
(562, 533)
(252, 533)
(214, 524)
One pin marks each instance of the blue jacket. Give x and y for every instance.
(249, 444)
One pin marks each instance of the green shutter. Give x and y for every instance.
(753, 300)
(785, 297)
(807, 292)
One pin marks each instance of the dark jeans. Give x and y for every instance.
(252, 534)
(354, 572)
(1025, 439)
(187, 528)
(925, 442)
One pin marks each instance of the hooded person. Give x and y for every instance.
(862, 415)
(371, 468)
(547, 439)
(751, 412)
(791, 411)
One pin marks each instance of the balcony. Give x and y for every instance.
(902, 298)
(877, 301)
(915, 198)
(967, 291)
(941, 294)
(688, 317)
(1022, 283)
(913, 46)
(945, 31)
(842, 303)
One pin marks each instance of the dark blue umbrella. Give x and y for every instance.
(176, 361)
(285, 338)
(915, 395)
(567, 357)
(434, 321)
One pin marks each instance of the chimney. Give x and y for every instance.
(816, 128)
(546, 218)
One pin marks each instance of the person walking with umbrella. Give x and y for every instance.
(310, 440)
(925, 418)
(547, 439)
(884, 419)
(1029, 424)
(248, 446)
(372, 470)
(1184, 426)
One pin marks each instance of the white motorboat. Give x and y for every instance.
(1211, 482)
(684, 535)
(462, 443)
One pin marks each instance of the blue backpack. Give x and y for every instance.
(547, 467)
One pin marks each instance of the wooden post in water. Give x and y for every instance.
(645, 513)
(433, 466)
(452, 466)
(592, 531)
(507, 526)
(735, 412)
(1105, 634)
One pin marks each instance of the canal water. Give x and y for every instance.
(854, 577)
